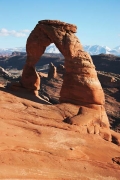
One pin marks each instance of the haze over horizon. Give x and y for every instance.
(97, 21)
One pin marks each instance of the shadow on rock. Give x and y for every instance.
(23, 93)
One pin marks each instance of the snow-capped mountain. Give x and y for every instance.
(52, 49)
(91, 49)
(116, 51)
(96, 49)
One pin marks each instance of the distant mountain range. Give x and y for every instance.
(96, 49)
(91, 49)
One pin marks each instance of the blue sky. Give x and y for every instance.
(98, 21)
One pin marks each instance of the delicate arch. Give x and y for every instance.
(80, 84)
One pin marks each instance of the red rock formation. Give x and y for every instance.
(31, 78)
(80, 84)
(52, 71)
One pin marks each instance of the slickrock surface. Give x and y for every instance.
(36, 143)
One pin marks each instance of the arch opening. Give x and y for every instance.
(51, 55)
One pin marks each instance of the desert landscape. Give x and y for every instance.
(60, 113)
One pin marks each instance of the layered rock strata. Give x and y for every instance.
(80, 84)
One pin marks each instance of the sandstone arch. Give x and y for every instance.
(80, 85)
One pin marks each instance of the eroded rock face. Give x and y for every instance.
(80, 84)
(30, 78)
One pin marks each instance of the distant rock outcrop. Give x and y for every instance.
(17, 53)
(4, 73)
(107, 63)
(107, 80)
(80, 83)
(52, 71)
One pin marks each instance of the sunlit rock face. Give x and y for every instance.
(80, 83)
